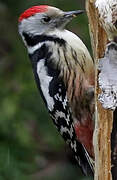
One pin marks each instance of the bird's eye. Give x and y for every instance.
(46, 19)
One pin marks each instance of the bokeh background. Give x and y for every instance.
(30, 146)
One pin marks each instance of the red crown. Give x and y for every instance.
(33, 10)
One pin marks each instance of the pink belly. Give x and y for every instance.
(84, 135)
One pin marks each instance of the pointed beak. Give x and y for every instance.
(66, 17)
(71, 14)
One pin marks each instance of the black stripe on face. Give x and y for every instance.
(41, 53)
(33, 40)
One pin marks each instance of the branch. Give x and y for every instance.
(103, 118)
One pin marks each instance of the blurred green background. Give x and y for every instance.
(30, 146)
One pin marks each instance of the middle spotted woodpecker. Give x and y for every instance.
(64, 73)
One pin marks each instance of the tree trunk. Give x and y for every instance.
(103, 118)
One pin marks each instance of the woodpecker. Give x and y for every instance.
(64, 74)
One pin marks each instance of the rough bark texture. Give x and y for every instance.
(103, 118)
(114, 147)
(108, 77)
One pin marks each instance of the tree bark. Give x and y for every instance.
(103, 118)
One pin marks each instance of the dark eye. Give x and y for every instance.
(46, 19)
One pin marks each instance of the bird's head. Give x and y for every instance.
(44, 19)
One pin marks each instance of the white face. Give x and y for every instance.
(47, 22)
(42, 23)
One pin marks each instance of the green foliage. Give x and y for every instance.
(29, 142)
